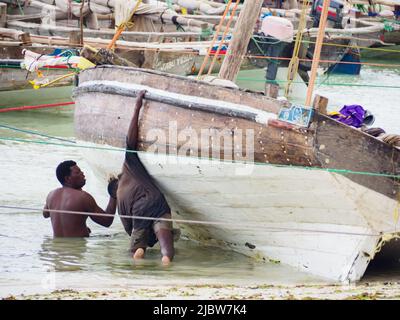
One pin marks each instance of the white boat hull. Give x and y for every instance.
(316, 221)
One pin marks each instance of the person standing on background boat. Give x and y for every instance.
(138, 196)
(71, 197)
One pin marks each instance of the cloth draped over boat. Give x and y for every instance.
(34, 61)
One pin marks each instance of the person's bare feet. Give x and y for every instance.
(139, 254)
(165, 260)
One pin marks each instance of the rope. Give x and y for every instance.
(341, 45)
(331, 170)
(294, 62)
(35, 133)
(40, 106)
(354, 46)
(325, 83)
(35, 86)
(223, 37)
(239, 225)
(124, 25)
(214, 38)
(196, 52)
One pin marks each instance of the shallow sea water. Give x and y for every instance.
(31, 261)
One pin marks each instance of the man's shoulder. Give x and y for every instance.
(86, 195)
(78, 193)
(54, 192)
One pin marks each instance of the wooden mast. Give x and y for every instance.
(317, 50)
(244, 29)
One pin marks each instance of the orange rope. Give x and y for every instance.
(223, 37)
(116, 37)
(123, 26)
(214, 39)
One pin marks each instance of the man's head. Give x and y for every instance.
(70, 175)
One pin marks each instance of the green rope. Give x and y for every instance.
(35, 133)
(326, 83)
(341, 171)
(390, 20)
(6, 66)
(336, 45)
(258, 46)
(387, 26)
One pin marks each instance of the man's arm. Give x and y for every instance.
(133, 131)
(46, 213)
(92, 207)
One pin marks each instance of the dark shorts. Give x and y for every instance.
(140, 237)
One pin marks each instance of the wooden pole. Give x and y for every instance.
(3, 15)
(81, 22)
(240, 39)
(317, 50)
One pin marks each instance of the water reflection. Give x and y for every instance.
(63, 254)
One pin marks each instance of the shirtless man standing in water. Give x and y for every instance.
(138, 196)
(71, 197)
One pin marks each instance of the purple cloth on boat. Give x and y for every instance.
(352, 115)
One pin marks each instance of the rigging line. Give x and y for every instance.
(294, 62)
(216, 34)
(327, 61)
(331, 170)
(202, 222)
(196, 53)
(342, 45)
(35, 133)
(210, 69)
(325, 83)
(355, 47)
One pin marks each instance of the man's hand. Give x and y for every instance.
(46, 212)
(112, 187)
(141, 94)
(139, 102)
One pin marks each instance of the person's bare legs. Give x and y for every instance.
(167, 245)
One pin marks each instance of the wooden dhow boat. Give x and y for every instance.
(320, 198)
(263, 177)
(17, 83)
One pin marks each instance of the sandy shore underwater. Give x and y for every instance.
(360, 291)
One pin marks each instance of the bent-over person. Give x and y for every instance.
(138, 196)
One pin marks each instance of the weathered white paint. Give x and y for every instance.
(315, 221)
(261, 116)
